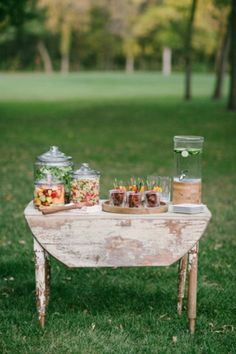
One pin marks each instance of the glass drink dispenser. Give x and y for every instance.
(187, 181)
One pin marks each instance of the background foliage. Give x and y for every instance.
(108, 34)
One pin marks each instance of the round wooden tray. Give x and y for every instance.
(163, 208)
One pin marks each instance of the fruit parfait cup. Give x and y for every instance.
(117, 195)
(153, 192)
(135, 193)
(85, 186)
(49, 192)
(152, 199)
(134, 199)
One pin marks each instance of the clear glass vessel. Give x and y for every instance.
(152, 199)
(48, 191)
(85, 185)
(134, 199)
(58, 165)
(187, 181)
(117, 197)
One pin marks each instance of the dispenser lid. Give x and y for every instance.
(54, 155)
(189, 138)
(189, 143)
(85, 171)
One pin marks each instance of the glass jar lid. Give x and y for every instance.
(55, 157)
(85, 171)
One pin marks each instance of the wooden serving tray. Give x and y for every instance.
(163, 208)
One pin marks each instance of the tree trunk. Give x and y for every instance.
(45, 57)
(65, 47)
(65, 64)
(220, 69)
(129, 66)
(188, 52)
(232, 91)
(166, 61)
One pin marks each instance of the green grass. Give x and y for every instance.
(122, 125)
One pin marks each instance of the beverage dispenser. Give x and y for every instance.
(187, 181)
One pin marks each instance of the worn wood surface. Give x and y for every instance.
(98, 239)
(163, 208)
(42, 276)
(181, 283)
(192, 287)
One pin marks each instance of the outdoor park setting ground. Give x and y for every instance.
(123, 125)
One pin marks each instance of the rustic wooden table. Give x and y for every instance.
(94, 238)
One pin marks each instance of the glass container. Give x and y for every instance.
(152, 199)
(58, 165)
(134, 199)
(187, 181)
(117, 197)
(49, 191)
(85, 185)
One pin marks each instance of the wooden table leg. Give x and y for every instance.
(181, 282)
(192, 287)
(42, 276)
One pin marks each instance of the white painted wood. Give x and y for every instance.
(41, 276)
(89, 238)
(181, 283)
(192, 287)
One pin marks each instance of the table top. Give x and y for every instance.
(97, 212)
(93, 238)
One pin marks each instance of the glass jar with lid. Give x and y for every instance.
(85, 185)
(58, 165)
(187, 182)
(49, 191)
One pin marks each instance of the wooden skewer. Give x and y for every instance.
(50, 210)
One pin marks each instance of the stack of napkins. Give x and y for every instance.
(187, 208)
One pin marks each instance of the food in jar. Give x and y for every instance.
(85, 190)
(47, 195)
(63, 173)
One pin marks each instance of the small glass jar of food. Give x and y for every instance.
(152, 199)
(134, 199)
(85, 185)
(49, 192)
(117, 197)
(58, 165)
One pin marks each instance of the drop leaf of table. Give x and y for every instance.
(95, 238)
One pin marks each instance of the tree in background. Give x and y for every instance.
(124, 16)
(232, 91)
(62, 17)
(222, 7)
(159, 30)
(188, 51)
(13, 12)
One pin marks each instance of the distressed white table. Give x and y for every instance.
(80, 238)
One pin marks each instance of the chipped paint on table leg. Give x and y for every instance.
(181, 283)
(42, 271)
(192, 287)
(47, 276)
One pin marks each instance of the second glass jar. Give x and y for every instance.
(85, 185)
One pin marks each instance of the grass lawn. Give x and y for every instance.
(122, 125)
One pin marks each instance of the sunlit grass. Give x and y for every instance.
(121, 128)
